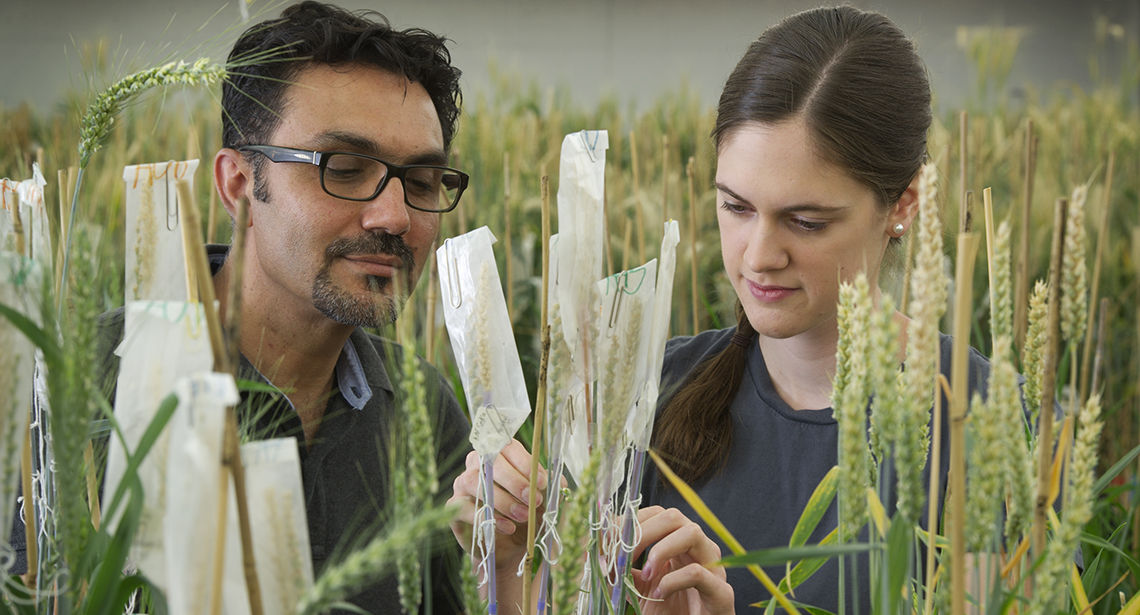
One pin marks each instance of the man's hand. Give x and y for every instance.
(511, 496)
(680, 573)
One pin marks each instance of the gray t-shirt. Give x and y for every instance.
(778, 457)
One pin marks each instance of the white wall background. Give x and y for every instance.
(636, 49)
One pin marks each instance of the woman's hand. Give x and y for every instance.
(680, 573)
(512, 495)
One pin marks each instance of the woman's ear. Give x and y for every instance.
(906, 210)
(233, 179)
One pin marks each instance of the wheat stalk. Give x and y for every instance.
(849, 400)
(1052, 576)
(368, 563)
(928, 290)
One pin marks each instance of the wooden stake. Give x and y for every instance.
(626, 248)
(940, 387)
(959, 405)
(540, 400)
(637, 197)
(433, 284)
(1100, 343)
(509, 282)
(1021, 301)
(1101, 242)
(62, 240)
(964, 163)
(32, 553)
(693, 245)
(1049, 382)
(665, 177)
(231, 457)
(988, 210)
(212, 217)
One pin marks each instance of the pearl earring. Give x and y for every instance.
(899, 229)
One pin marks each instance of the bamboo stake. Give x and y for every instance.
(935, 472)
(665, 176)
(607, 241)
(1101, 241)
(959, 404)
(626, 248)
(63, 218)
(510, 281)
(212, 217)
(1049, 384)
(1021, 302)
(988, 210)
(540, 401)
(31, 551)
(1136, 471)
(32, 554)
(637, 197)
(231, 457)
(963, 159)
(693, 244)
(234, 292)
(1100, 343)
(433, 284)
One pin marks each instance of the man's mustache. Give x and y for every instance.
(373, 243)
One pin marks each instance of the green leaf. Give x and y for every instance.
(161, 418)
(38, 336)
(107, 580)
(816, 507)
(898, 560)
(1097, 541)
(254, 386)
(780, 555)
(808, 567)
(807, 608)
(1116, 468)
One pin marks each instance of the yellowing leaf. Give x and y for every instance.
(707, 515)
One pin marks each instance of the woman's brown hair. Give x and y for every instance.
(859, 86)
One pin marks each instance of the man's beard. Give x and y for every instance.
(375, 307)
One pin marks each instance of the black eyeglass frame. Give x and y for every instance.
(321, 159)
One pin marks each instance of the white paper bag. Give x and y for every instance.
(155, 267)
(162, 342)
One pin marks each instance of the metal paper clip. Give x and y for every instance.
(454, 290)
(585, 135)
(171, 200)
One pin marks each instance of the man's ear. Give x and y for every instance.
(233, 178)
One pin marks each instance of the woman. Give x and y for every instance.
(820, 135)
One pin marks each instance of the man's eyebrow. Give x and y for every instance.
(797, 208)
(364, 145)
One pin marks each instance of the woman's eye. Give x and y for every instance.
(734, 208)
(809, 225)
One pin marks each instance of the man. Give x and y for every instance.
(336, 131)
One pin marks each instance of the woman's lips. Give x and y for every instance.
(769, 294)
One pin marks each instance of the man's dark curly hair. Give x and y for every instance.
(269, 55)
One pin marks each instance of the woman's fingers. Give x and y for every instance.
(673, 535)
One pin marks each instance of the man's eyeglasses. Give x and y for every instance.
(357, 177)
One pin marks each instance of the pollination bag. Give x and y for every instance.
(156, 264)
(194, 480)
(278, 522)
(162, 342)
(581, 228)
(26, 198)
(475, 313)
(19, 291)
